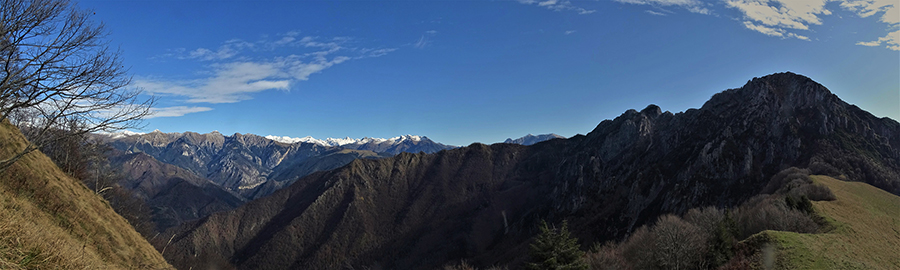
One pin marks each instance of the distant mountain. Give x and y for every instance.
(241, 163)
(175, 195)
(532, 139)
(289, 172)
(395, 145)
(482, 203)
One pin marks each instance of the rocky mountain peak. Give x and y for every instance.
(781, 92)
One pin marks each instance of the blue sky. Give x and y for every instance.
(482, 71)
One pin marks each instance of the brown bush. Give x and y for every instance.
(779, 180)
(771, 213)
(607, 257)
(823, 168)
(679, 244)
(463, 265)
(639, 249)
(706, 218)
(814, 192)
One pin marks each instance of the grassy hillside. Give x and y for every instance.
(49, 220)
(864, 232)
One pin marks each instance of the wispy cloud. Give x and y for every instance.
(235, 73)
(789, 18)
(235, 81)
(570, 32)
(783, 18)
(780, 17)
(776, 32)
(424, 40)
(176, 111)
(890, 11)
(558, 5)
(890, 41)
(866, 8)
(694, 6)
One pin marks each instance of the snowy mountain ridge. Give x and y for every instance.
(291, 140)
(345, 141)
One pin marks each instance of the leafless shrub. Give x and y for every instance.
(706, 218)
(679, 244)
(463, 265)
(784, 177)
(823, 168)
(640, 248)
(814, 192)
(771, 213)
(607, 257)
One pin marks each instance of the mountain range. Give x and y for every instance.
(186, 176)
(482, 202)
(243, 162)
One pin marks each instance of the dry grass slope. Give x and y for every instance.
(864, 231)
(49, 220)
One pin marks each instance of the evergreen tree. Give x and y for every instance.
(722, 242)
(556, 249)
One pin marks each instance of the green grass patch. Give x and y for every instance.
(861, 231)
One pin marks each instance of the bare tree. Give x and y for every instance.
(679, 244)
(57, 72)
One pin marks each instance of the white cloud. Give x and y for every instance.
(176, 111)
(367, 53)
(423, 40)
(421, 43)
(235, 81)
(788, 18)
(780, 17)
(570, 32)
(206, 54)
(233, 77)
(558, 5)
(782, 14)
(890, 10)
(694, 6)
(765, 30)
(869, 43)
(890, 41)
(231, 82)
(866, 8)
(798, 36)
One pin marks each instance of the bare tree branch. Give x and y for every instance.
(56, 68)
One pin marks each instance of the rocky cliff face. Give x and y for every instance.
(419, 211)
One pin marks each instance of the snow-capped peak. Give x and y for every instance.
(120, 134)
(345, 141)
